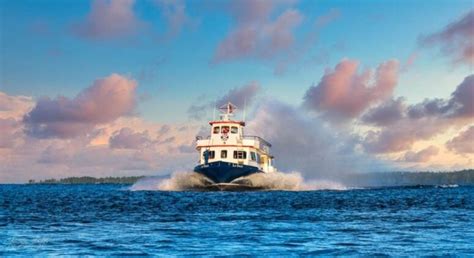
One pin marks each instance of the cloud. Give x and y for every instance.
(10, 132)
(421, 156)
(256, 35)
(266, 31)
(168, 147)
(461, 102)
(460, 105)
(14, 106)
(239, 96)
(417, 122)
(303, 143)
(401, 135)
(463, 143)
(386, 113)
(126, 138)
(343, 93)
(12, 110)
(455, 40)
(106, 100)
(109, 20)
(117, 19)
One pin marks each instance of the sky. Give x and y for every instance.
(122, 87)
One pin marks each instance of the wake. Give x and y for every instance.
(184, 181)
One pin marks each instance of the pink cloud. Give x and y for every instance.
(402, 135)
(109, 19)
(255, 34)
(421, 156)
(126, 138)
(417, 122)
(463, 143)
(106, 100)
(14, 106)
(10, 133)
(455, 40)
(345, 93)
(115, 19)
(168, 147)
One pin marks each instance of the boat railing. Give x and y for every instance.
(257, 138)
(258, 141)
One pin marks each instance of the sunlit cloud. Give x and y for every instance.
(109, 20)
(104, 101)
(256, 35)
(463, 143)
(423, 155)
(345, 93)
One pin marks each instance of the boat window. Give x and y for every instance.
(211, 154)
(253, 156)
(225, 129)
(240, 155)
(234, 129)
(223, 154)
(258, 158)
(216, 129)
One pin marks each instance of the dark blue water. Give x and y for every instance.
(108, 220)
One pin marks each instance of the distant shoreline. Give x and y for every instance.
(386, 179)
(380, 179)
(89, 180)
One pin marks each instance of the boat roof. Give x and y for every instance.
(242, 123)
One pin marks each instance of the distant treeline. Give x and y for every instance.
(382, 179)
(463, 177)
(90, 180)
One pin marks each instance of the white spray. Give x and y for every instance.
(182, 181)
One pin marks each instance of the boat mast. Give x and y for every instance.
(227, 111)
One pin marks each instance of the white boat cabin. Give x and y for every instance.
(228, 143)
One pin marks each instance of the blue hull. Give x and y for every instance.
(224, 172)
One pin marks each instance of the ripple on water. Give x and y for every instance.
(107, 220)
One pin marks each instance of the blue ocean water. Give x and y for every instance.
(111, 220)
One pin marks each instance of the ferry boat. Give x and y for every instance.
(227, 155)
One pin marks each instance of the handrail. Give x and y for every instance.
(258, 138)
(253, 137)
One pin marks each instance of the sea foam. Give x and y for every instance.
(182, 181)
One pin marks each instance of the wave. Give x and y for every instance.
(182, 181)
(447, 186)
(178, 181)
